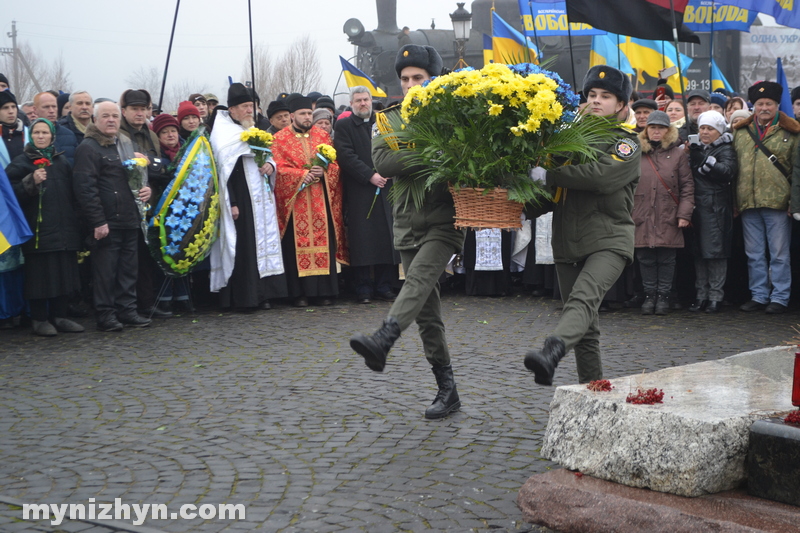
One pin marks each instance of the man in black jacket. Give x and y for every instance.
(109, 207)
(80, 114)
(367, 210)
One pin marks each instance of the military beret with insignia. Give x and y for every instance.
(424, 57)
(608, 79)
(765, 89)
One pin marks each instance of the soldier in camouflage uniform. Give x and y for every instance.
(763, 190)
(592, 231)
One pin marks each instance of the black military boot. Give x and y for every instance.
(373, 348)
(543, 362)
(649, 304)
(446, 400)
(662, 304)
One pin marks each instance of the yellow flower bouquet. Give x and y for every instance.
(259, 142)
(324, 156)
(486, 128)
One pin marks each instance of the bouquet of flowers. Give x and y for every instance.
(324, 156)
(137, 178)
(486, 128)
(259, 142)
(40, 163)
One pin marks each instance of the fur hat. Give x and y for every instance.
(185, 109)
(713, 119)
(645, 102)
(6, 97)
(608, 79)
(765, 89)
(134, 97)
(239, 94)
(424, 57)
(698, 93)
(658, 118)
(275, 107)
(795, 94)
(299, 102)
(163, 120)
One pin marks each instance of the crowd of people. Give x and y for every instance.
(719, 186)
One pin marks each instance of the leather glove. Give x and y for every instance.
(708, 164)
(537, 174)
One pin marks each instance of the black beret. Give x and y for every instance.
(6, 97)
(239, 94)
(134, 97)
(795, 94)
(276, 106)
(608, 79)
(424, 57)
(644, 102)
(299, 102)
(765, 89)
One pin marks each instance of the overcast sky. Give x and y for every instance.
(103, 41)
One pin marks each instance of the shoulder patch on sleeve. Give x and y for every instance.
(625, 148)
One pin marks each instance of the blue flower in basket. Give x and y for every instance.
(172, 249)
(198, 196)
(186, 223)
(178, 207)
(176, 235)
(172, 221)
(192, 211)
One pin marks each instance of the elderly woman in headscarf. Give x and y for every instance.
(323, 118)
(42, 181)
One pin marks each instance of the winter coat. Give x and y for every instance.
(689, 127)
(413, 227)
(101, 183)
(69, 123)
(58, 229)
(66, 143)
(593, 211)
(146, 141)
(712, 221)
(760, 183)
(655, 212)
(370, 238)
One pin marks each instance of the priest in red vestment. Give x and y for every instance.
(309, 202)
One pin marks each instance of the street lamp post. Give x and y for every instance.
(461, 27)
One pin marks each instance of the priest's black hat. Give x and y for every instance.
(299, 102)
(239, 94)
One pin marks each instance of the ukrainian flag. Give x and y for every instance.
(606, 52)
(509, 45)
(488, 53)
(652, 56)
(14, 228)
(718, 80)
(354, 77)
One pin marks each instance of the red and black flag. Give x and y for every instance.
(645, 19)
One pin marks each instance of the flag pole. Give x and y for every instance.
(677, 51)
(535, 36)
(169, 52)
(711, 53)
(571, 57)
(252, 61)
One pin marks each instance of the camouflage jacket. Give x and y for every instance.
(760, 183)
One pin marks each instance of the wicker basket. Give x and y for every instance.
(481, 209)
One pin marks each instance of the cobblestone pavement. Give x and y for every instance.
(273, 410)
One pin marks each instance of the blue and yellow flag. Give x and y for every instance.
(786, 96)
(14, 228)
(488, 53)
(651, 56)
(550, 18)
(606, 52)
(354, 77)
(718, 80)
(786, 12)
(712, 15)
(509, 45)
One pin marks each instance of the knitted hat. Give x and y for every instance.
(239, 94)
(4, 80)
(164, 120)
(299, 102)
(321, 113)
(62, 100)
(185, 109)
(134, 97)
(608, 79)
(327, 102)
(644, 102)
(795, 94)
(765, 89)
(275, 107)
(424, 57)
(658, 118)
(6, 97)
(740, 113)
(719, 99)
(699, 93)
(713, 119)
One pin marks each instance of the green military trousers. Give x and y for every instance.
(419, 298)
(583, 286)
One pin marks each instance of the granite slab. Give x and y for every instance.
(693, 443)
